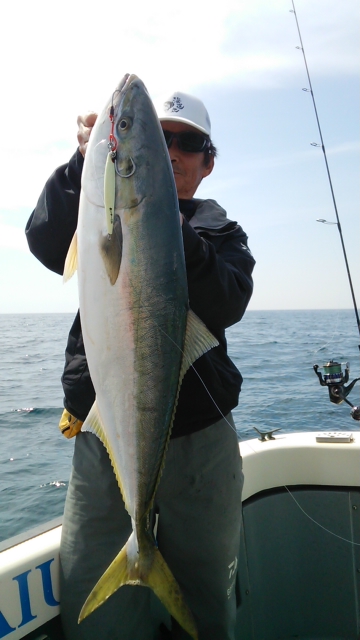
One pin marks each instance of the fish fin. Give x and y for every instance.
(111, 250)
(164, 585)
(115, 576)
(71, 260)
(198, 340)
(146, 568)
(93, 424)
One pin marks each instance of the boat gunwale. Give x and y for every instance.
(29, 534)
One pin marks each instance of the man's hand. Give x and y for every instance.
(85, 124)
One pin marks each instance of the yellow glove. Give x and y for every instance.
(69, 425)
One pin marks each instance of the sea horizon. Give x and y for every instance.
(34, 313)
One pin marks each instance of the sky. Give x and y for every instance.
(240, 57)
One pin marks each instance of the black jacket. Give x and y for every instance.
(219, 267)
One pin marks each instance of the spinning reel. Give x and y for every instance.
(335, 379)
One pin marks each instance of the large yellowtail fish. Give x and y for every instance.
(140, 336)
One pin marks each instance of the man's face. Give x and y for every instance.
(188, 168)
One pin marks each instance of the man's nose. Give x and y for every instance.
(174, 150)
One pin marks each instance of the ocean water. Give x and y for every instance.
(275, 351)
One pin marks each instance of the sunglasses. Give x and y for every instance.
(187, 141)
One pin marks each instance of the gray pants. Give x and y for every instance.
(199, 506)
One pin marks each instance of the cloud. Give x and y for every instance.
(265, 37)
(181, 45)
(345, 147)
(52, 75)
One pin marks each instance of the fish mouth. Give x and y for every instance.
(127, 80)
(124, 81)
(122, 88)
(131, 77)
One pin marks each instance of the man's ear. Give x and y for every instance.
(209, 167)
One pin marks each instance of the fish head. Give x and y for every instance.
(141, 160)
(92, 181)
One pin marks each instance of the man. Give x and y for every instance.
(197, 508)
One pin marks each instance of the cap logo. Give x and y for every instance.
(174, 105)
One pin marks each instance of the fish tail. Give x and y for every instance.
(162, 582)
(115, 576)
(146, 567)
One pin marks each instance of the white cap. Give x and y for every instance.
(181, 107)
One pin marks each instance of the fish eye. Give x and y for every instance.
(123, 124)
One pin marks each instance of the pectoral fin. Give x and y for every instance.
(111, 250)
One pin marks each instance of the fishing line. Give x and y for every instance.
(198, 375)
(249, 445)
(212, 399)
(202, 382)
(357, 544)
(331, 338)
(219, 410)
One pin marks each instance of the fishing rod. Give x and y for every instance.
(333, 378)
(314, 144)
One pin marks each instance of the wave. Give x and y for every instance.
(44, 411)
(25, 417)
